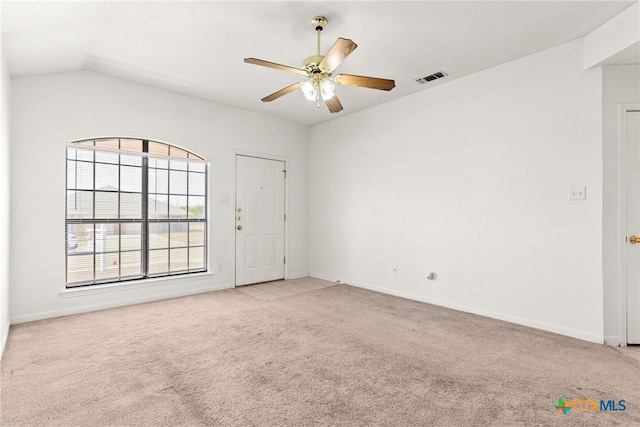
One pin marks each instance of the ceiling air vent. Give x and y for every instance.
(431, 77)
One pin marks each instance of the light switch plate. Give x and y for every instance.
(577, 193)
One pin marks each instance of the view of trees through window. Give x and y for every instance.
(135, 209)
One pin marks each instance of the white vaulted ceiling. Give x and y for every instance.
(198, 48)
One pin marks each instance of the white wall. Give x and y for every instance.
(619, 85)
(4, 202)
(470, 179)
(51, 110)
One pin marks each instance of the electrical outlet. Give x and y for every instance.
(220, 266)
(395, 269)
(577, 193)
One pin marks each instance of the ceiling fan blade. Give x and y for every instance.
(338, 52)
(334, 104)
(274, 65)
(363, 81)
(281, 92)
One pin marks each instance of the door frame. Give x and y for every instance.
(623, 108)
(264, 156)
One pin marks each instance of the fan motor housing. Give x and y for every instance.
(311, 63)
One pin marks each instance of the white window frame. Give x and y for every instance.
(190, 222)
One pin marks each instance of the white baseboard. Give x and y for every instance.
(119, 303)
(297, 275)
(574, 333)
(328, 278)
(612, 341)
(3, 339)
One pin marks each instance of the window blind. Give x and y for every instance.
(134, 209)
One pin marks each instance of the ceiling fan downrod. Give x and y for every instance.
(319, 22)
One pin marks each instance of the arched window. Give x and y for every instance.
(135, 209)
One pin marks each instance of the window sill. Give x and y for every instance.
(115, 287)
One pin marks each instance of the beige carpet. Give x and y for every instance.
(313, 356)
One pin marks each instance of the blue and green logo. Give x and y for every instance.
(590, 405)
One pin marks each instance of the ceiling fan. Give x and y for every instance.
(320, 71)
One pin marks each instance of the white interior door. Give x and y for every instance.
(259, 220)
(632, 139)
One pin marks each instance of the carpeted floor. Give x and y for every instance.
(316, 355)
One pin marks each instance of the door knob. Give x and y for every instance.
(240, 228)
(634, 240)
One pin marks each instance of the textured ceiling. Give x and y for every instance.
(198, 48)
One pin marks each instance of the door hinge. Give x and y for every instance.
(285, 217)
(285, 173)
(285, 260)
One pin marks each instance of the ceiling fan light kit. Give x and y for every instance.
(319, 70)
